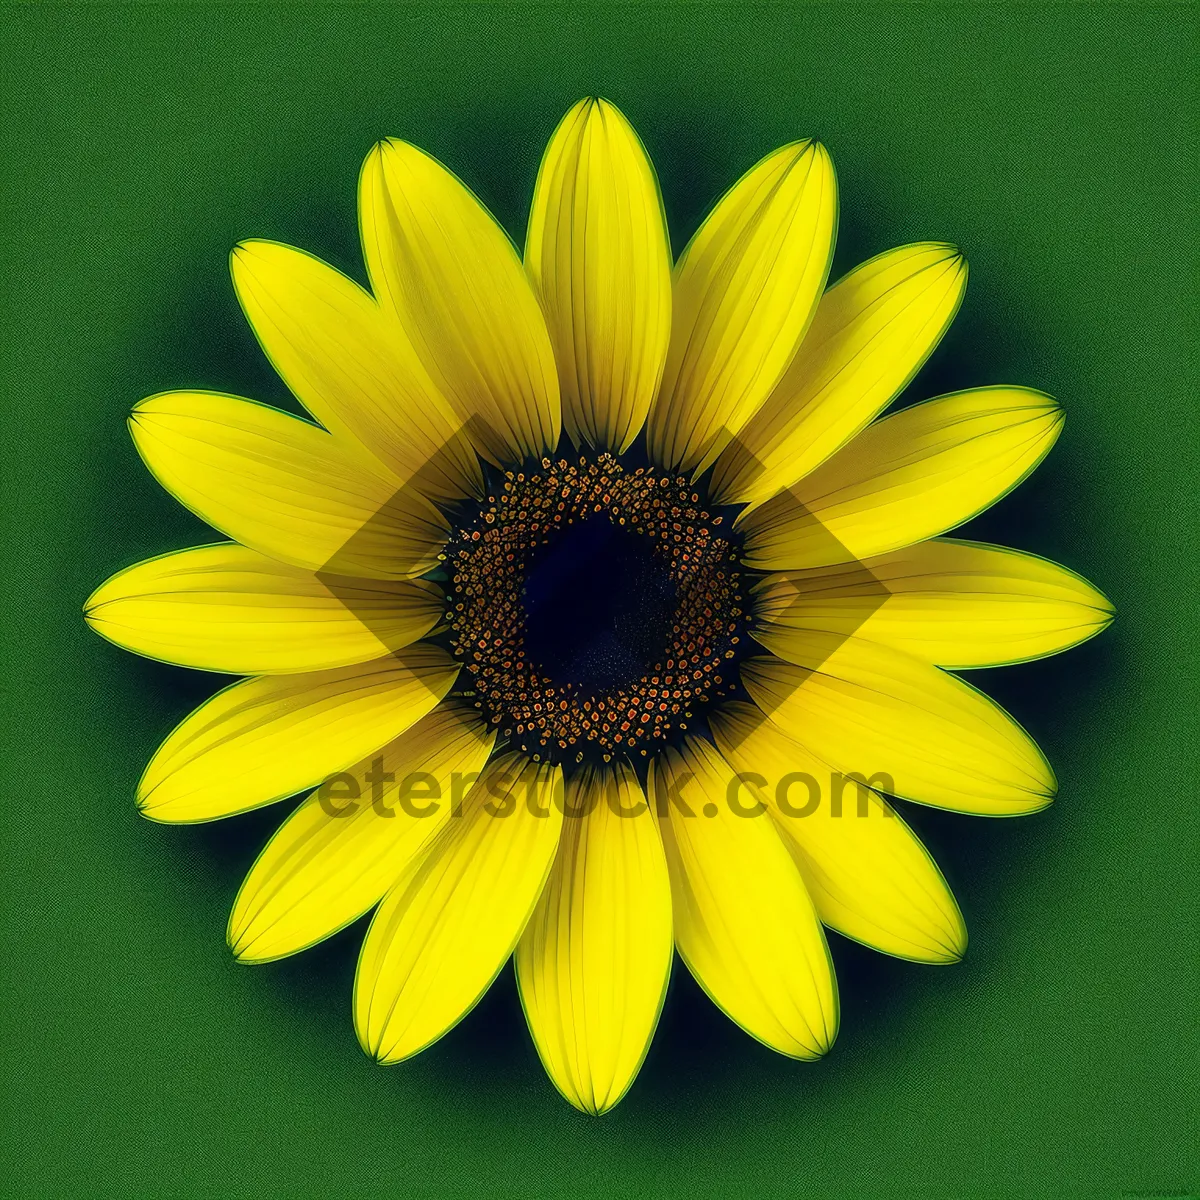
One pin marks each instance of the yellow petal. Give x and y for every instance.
(872, 331)
(454, 916)
(744, 293)
(229, 608)
(867, 873)
(287, 488)
(908, 477)
(594, 960)
(958, 604)
(864, 707)
(352, 366)
(744, 923)
(340, 851)
(438, 258)
(598, 255)
(263, 739)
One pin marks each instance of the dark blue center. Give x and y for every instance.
(599, 606)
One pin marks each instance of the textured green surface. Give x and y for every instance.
(1057, 145)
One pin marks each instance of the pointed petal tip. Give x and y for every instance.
(590, 110)
(90, 605)
(369, 1045)
(822, 1044)
(374, 151)
(394, 145)
(821, 151)
(1031, 397)
(605, 110)
(1041, 799)
(151, 813)
(937, 253)
(951, 946)
(238, 937)
(386, 1058)
(940, 955)
(372, 1050)
(239, 948)
(596, 1102)
(1049, 403)
(1041, 406)
(244, 956)
(145, 409)
(142, 804)
(1102, 610)
(158, 812)
(374, 157)
(954, 954)
(581, 1104)
(247, 251)
(954, 255)
(800, 147)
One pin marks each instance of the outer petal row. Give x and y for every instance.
(594, 961)
(334, 858)
(230, 608)
(744, 293)
(600, 261)
(266, 738)
(456, 338)
(868, 875)
(906, 478)
(744, 922)
(871, 333)
(438, 259)
(286, 488)
(454, 916)
(864, 707)
(955, 603)
(353, 366)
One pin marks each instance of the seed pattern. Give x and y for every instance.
(488, 558)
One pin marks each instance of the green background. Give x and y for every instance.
(1056, 145)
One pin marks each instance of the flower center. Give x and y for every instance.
(599, 605)
(597, 608)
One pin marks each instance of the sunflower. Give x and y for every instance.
(595, 603)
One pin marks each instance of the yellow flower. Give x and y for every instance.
(573, 694)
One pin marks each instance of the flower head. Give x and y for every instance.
(595, 603)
